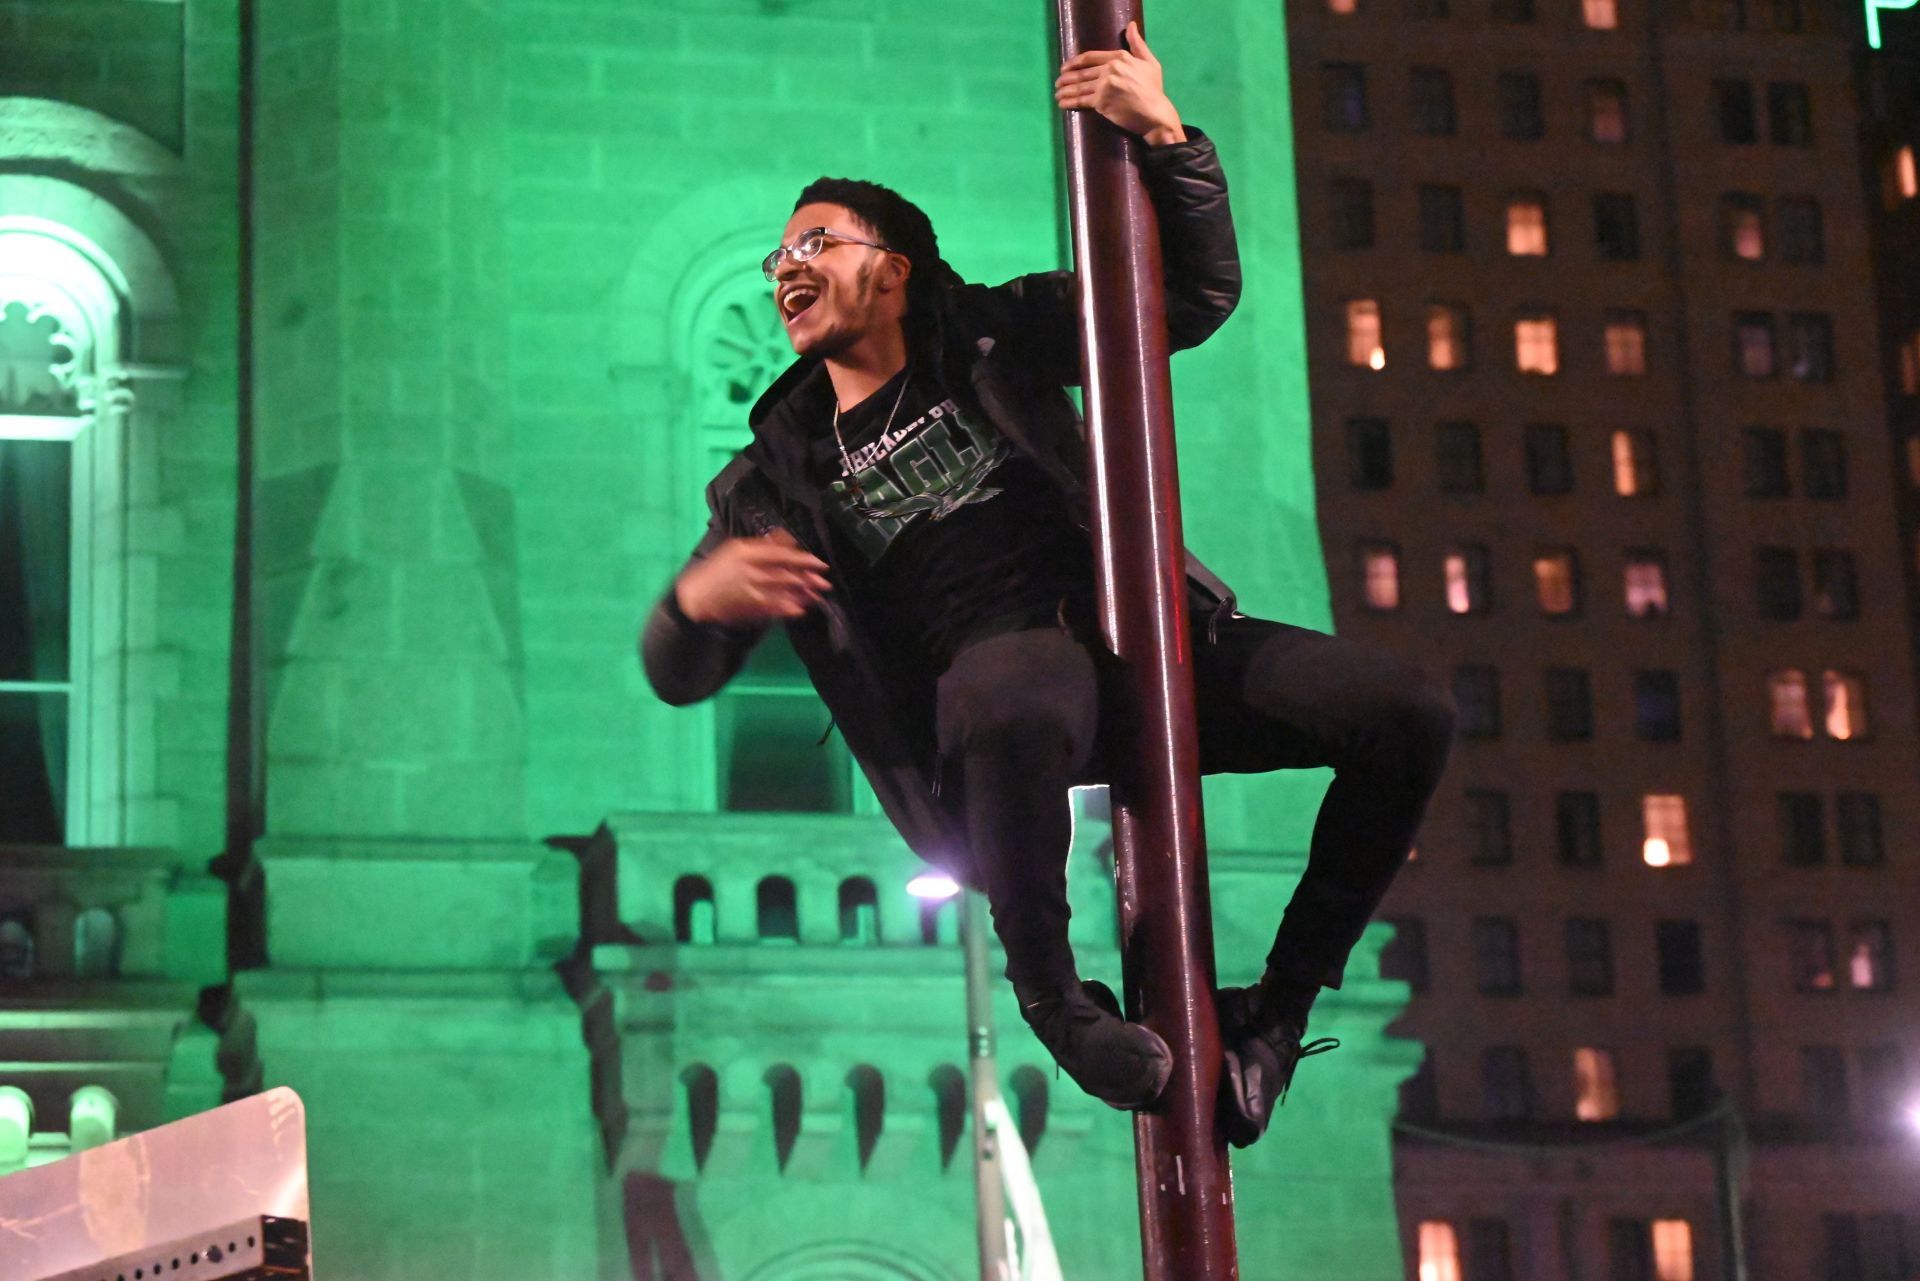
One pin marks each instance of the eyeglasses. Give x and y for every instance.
(808, 247)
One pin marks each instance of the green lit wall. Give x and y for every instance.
(507, 318)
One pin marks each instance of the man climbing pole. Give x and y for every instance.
(913, 509)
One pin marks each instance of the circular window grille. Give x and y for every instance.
(744, 349)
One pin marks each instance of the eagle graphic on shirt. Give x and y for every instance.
(932, 467)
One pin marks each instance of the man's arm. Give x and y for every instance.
(1199, 254)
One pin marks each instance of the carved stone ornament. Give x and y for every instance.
(41, 363)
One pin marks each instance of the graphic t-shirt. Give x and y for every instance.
(959, 532)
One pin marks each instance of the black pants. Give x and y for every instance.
(1019, 723)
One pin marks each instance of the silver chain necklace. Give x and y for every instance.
(846, 459)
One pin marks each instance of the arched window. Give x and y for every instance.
(16, 947)
(777, 916)
(939, 922)
(867, 1096)
(772, 748)
(693, 910)
(859, 911)
(783, 1098)
(1029, 1087)
(96, 944)
(949, 1086)
(702, 1086)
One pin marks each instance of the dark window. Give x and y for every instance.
(1496, 956)
(1512, 10)
(1743, 226)
(1733, 109)
(1419, 1094)
(1489, 829)
(1369, 453)
(1629, 1250)
(859, 911)
(1836, 590)
(1443, 222)
(1406, 957)
(1764, 450)
(1431, 8)
(1789, 115)
(1569, 704)
(1858, 818)
(1809, 353)
(1844, 1259)
(1803, 238)
(1343, 102)
(1656, 706)
(1476, 696)
(1352, 213)
(1882, 1082)
(775, 914)
(1589, 957)
(1489, 1251)
(1549, 464)
(767, 735)
(1577, 827)
(1823, 463)
(1823, 1081)
(1457, 459)
(1776, 576)
(1506, 1090)
(1803, 829)
(1616, 226)
(1733, 14)
(1433, 101)
(1812, 956)
(1690, 1080)
(1789, 15)
(693, 910)
(1682, 963)
(1519, 95)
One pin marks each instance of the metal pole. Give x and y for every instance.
(1729, 1171)
(1186, 1191)
(990, 1205)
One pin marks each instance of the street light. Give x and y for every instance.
(1000, 1168)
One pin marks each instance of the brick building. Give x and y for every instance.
(1610, 315)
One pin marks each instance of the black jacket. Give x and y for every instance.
(1020, 345)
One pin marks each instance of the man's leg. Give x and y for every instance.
(1016, 723)
(1273, 696)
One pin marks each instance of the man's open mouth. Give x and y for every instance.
(795, 299)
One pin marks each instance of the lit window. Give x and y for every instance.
(1606, 111)
(1646, 584)
(1601, 15)
(1910, 364)
(1380, 575)
(1468, 573)
(1870, 957)
(1812, 955)
(1787, 699)
(1753, 344)
(1635, 468)
(1439, 1251)
(1446, 337)
(1527, 226)
(1596, 1088)
(1536, 345)
(1363, 334)
(1556, 576)
(1343, 7)
(1626, 342)
(1903, 177)
(1743, 226)
(1667, 843)
(1846, 705)
(1672, 1250)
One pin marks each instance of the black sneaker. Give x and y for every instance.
(1122, 1064)
(1260, 1056)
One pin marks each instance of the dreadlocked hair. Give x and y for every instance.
(905, 228)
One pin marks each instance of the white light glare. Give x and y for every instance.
(1913, 1115)
(933, 885)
